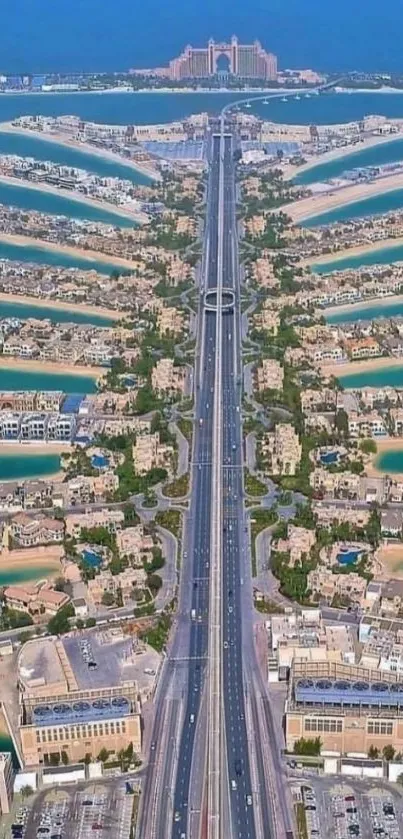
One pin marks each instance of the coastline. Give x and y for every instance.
(81, 253)
(347, 308)
(38, 366)
(393, 444)
(335, 154)
(356, 250)
(60, 140)
(77, 308)
(77, 197)
(317, 205)
(349, 368)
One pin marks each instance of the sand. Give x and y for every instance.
(38, 366)
(356, 250)
(335, 154)
(62, 140)
(393, 444)
(352, 367)
(391, 559)
(315, 205)
(348, 308)
(60, 305)
(135, 215)
(33, 447)
(81, 253)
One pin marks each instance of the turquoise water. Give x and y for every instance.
(348, 556)
(26, 465)
(45, 202)
(376, 156)
(6, 745)
(27, 574)
(143, 108)
(25, 310)
(30, 380)
(384, 256)
(32, 146)
(388, 377)
(42, 256)
(390, 462)
(385, 202)
(366, 313)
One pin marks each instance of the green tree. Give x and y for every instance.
(65, 758)
(26, 791)
(368, 446)
(388, 752)
(307, 746)
(342, 422)
(60, 623)
(103, 755)
(373, 752)
(107, 598)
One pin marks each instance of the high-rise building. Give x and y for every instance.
(245, 61)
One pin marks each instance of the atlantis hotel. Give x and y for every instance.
(244, 61)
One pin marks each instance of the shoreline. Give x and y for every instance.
(58, 305)
(350, 368)
(79, 253)
(356, 250)
(77, 197)
(55, 367)
(34, 447)
(318, 205)
(393, 444)
(347, 308)
(336, 154)
(61, 140)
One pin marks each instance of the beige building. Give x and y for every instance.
(66, 706)
(35, 599)
(283, 449)
(132, 541)
(270, 375)
(7, 775)
(326, 585)
(111, 519)
(148, 453)
(166, 378)
(314, 707)
(328, 514)
(298, 543)
(170, 321)
(267, 320)
(116, 584)
(28, 531)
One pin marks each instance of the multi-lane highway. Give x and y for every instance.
(214, 769)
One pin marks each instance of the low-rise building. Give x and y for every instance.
(298, 543)
(149, 453)
(168, 378)
(112, 520)
(366, 425)
(116, 584)
(28, 531)
(35, 600)
(326, 585)
(269, 375)
(283, 449)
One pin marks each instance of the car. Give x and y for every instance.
(152, 749)
(225, 645)
(238, 767)
(249, 800)
(177, 816)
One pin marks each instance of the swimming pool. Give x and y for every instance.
(348, 556)
(327, 458)
(91, 558)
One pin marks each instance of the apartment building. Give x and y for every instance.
(112, 520)
(298, 543)
(269, 375)
(148, 453)
(170, 321)
(116, 584)
(168, 379)
(283, 449)
(326, 585)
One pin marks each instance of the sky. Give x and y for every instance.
(44, 35)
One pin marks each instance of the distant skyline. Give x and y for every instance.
(68, 35)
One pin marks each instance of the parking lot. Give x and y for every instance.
(349, 809)
(101, 810)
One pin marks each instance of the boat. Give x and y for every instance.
(248, 105)
(283, 99)
(297, 97)
(265, 101)
(307, 96)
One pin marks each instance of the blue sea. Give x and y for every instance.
(32, 253)
(386, 310)
(375, 205)
(383, 256)
(15, 309)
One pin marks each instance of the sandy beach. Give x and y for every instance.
(43, 556)
(315, 205)
(28, 447)
(38, 366)
(79, 308)
(357, 250)
(336, 154)
(135, 216)
(81, 253)
(350, 368)
(61, 140)
(393, 444)
(379, 302)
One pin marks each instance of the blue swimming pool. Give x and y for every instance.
(348, 556)
(91, 558)
(99, 461)
(327, 458)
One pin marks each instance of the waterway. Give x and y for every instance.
(27, 574)
(387, 310)
(374, 156)
(43, 256)
(59, 315)
(40, 380)
(390, 462)
(58, 205)
(373, 206)
(145, 108)
(15, 467)
(383, 256)
(388, 377)
(33, 146)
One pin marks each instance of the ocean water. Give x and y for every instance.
(375, 156)
(384, 202)
(33, 146)
(25, 310)
(39, 380)
(26, 465)
(45, 202)
(34, 254)
(145, 108)
(388, 377)
(26, 574)
(366, 313)
(390, 462)
(383, 256)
